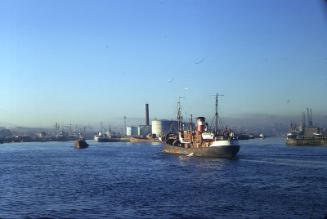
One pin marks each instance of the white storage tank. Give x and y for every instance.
(162, 127)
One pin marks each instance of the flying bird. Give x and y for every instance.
(199, 61)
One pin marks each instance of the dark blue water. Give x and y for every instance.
(122, 180)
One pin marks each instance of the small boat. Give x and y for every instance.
(81, 143)
(201, 142)
(103, 137)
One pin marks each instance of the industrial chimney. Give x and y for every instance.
(147, 120)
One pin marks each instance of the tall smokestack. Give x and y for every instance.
(147, 120)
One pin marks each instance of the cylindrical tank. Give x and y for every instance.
(163, 127)
(200, 124)
(157, 127)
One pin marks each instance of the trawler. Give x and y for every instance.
(201, 142)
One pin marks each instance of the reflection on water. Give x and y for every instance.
(123, 180)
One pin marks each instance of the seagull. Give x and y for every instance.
(199, 61)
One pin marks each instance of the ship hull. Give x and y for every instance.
(212, 152)
(103, 140)
(307, 142)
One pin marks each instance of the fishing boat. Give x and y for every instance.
(201, 142)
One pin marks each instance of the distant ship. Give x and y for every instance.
(306, 134)
(102, 137)
(202, 142)
(64, 136)
(261, 135)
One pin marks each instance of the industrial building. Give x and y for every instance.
(131, 131)
(143, 130)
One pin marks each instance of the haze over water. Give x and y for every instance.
(122, 180)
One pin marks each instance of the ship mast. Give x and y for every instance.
(179, 115)
(217, 114)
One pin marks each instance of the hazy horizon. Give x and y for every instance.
(86, 62)
(252, 122)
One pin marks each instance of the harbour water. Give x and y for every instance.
(123, 180)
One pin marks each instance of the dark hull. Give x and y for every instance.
(81, 144)
(214, 152)
(102, 140)
(307, 142)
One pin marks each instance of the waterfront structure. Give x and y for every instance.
(144, 130)
(131, 131)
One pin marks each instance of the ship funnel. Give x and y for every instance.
(200, 124)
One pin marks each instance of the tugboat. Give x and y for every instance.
(81, 143)
(201, 142)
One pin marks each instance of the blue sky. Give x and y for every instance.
(90, 61)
